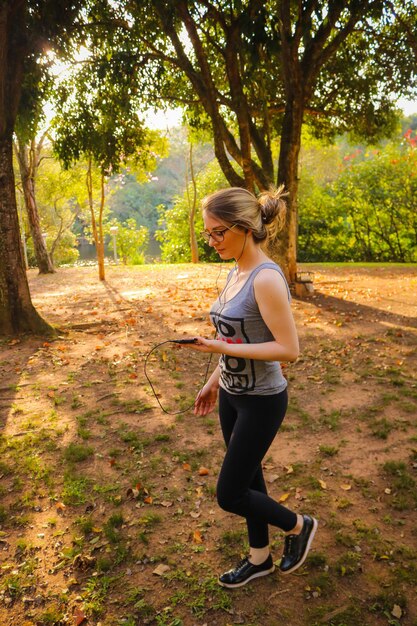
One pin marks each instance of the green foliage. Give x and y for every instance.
(132, 198)
(368, 213)
(175, 232)
(98, 119)
(131, 241)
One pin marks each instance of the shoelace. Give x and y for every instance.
(241, 564)
(288, 544)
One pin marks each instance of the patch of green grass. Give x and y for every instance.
(51, 617)
(322, 583)
(383, 603)
(37, 469)
(150, 520)
(84, 433)
(95, 593)
(201, 594)
(133, 406)
(131, 437)
(231, 543)
(344, 503)
(162, 437)
(331, 420)
(326, 450)
(349, 564)
(76, 402)
(75, 489)
(141, 607)
(402, 484)
(316, 560)
(77, 452)
(346, 539)
(381, 428)
(112, 527)
(86, 524)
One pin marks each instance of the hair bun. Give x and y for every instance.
(273, 206)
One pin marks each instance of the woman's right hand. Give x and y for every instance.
(206, 400)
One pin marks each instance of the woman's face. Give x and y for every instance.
(226, 239)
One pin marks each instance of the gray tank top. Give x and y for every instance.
(238, 320)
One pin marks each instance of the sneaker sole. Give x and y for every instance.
(245, 582)
(306, 551)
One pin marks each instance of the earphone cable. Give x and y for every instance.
(150, 352)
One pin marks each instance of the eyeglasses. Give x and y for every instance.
(217, 234)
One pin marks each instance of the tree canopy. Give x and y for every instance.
(254, 72)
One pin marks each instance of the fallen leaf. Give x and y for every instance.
(203, 471)
(323, 484)
(132, 493)
(186, 467)
(197, 538)
(387, 491)
(79, 617)
(273, 478)
(289, 469)
(148, 500)
(284, 497)
(166, 503)
(161, 569)
(298, 495)
(346, 487)
(397, 611)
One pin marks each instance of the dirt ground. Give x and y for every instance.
(108, 513)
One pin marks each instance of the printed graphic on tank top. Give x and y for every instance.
(237, 374)
(238, 320)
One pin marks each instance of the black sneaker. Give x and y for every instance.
(246, 571)
(297, 546)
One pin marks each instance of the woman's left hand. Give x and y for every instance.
(204, 345)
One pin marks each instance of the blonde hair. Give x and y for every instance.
(264, 216)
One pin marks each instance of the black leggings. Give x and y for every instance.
(249, 425)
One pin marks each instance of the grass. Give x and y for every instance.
(77, 453)
(75, 489)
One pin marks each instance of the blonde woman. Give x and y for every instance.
(255, 332)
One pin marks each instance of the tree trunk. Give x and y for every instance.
(28, 164)
(96, 231)
(17, 313)
(192, 203)
(284, 248)
(100, 232)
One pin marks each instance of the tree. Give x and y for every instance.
(98, 122)
(62, 199)
(29, 159)
(26, 27)
(175, 221)
(130, 240)
(368, 213)
(257, 71)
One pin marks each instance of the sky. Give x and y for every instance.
(408, 106)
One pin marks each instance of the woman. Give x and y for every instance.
(255, 331)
